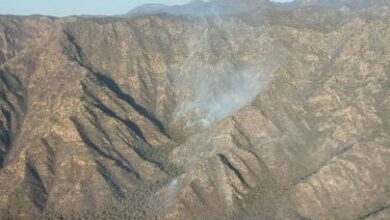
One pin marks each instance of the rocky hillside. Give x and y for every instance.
(250, 110)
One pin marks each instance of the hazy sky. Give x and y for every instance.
(76, 7)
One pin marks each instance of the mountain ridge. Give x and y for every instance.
(282, 115)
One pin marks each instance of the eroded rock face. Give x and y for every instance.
(228, 116)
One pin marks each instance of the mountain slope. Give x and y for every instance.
(275, 115)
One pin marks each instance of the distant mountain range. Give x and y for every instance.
(220, 7)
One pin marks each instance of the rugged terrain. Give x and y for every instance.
(249, 110)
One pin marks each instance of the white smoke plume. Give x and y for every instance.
(215, 94)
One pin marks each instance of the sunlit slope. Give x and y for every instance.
(275, 115)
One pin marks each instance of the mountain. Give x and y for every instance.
(199, 8)
(194, 7)
(348, 5)
(256, 111)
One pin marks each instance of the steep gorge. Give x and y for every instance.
(227, 116)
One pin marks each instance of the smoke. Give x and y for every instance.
(216, 93)
(212, 83)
